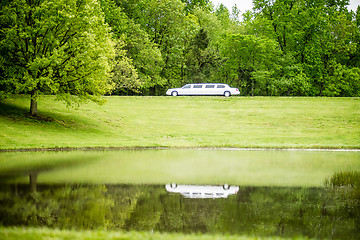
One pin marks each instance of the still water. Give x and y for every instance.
(257, 211)
(257, 193)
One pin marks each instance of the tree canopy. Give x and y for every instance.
(60, 47)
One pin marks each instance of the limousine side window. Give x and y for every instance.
(187, 86)
(220, 86)
(197, 86)
(209, 86)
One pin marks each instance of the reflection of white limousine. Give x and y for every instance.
(202, 191)
(204, 89)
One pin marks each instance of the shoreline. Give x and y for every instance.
(69, 149)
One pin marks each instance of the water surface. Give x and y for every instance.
(255, 211)
(257, 193)
(247, 168)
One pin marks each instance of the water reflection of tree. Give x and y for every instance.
(288, 212)
(148, 210)
(60, 206)
(67, 207)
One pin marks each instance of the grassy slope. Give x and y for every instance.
(184, 122)
(39, 234)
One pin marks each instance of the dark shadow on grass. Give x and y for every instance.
(12, 111)
(20, 113)
(17, 113)
(46, 119)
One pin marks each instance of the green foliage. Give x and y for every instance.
(319, 35)
(343, 82)
(201, 59)
(290, 79)
(56, 47)
(250, 62)
(190, 5)
(139, 60)
(293, 48)
(125, 77)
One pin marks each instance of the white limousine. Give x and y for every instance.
(204, 89)
(202, 191)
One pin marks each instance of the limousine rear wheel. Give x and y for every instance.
(227, 94)
(174, 93)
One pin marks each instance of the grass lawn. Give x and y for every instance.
(259, 122)
(50, 234)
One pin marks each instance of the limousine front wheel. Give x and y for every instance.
(174, 93)
(227, 94)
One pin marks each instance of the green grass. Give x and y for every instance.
(51, 234)
(259, 122)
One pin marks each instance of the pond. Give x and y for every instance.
(257, 193)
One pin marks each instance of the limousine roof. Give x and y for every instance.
(206, 84)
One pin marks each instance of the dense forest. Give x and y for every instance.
(282, 47)
(86, 48)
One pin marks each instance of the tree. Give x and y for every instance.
(125, 76)
(201, 59)
(355, 56)
(319, 39)
(140, 59)
(166, 24)
(161, 26)
(250, 63)
(192, 4)
(60, 47)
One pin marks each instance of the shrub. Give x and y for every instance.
(348, 178)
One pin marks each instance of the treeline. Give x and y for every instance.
(82, 49)
(281, 48)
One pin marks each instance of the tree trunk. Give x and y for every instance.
(33, 181)
(33, 106)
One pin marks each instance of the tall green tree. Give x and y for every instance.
(164, 23)
(319, 39)
(201, 59)
(143, 55)
(250, 62)
(60, 47)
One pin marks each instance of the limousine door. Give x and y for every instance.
(186, 90)
(210, 89)
(197, 89)
(220, 89)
